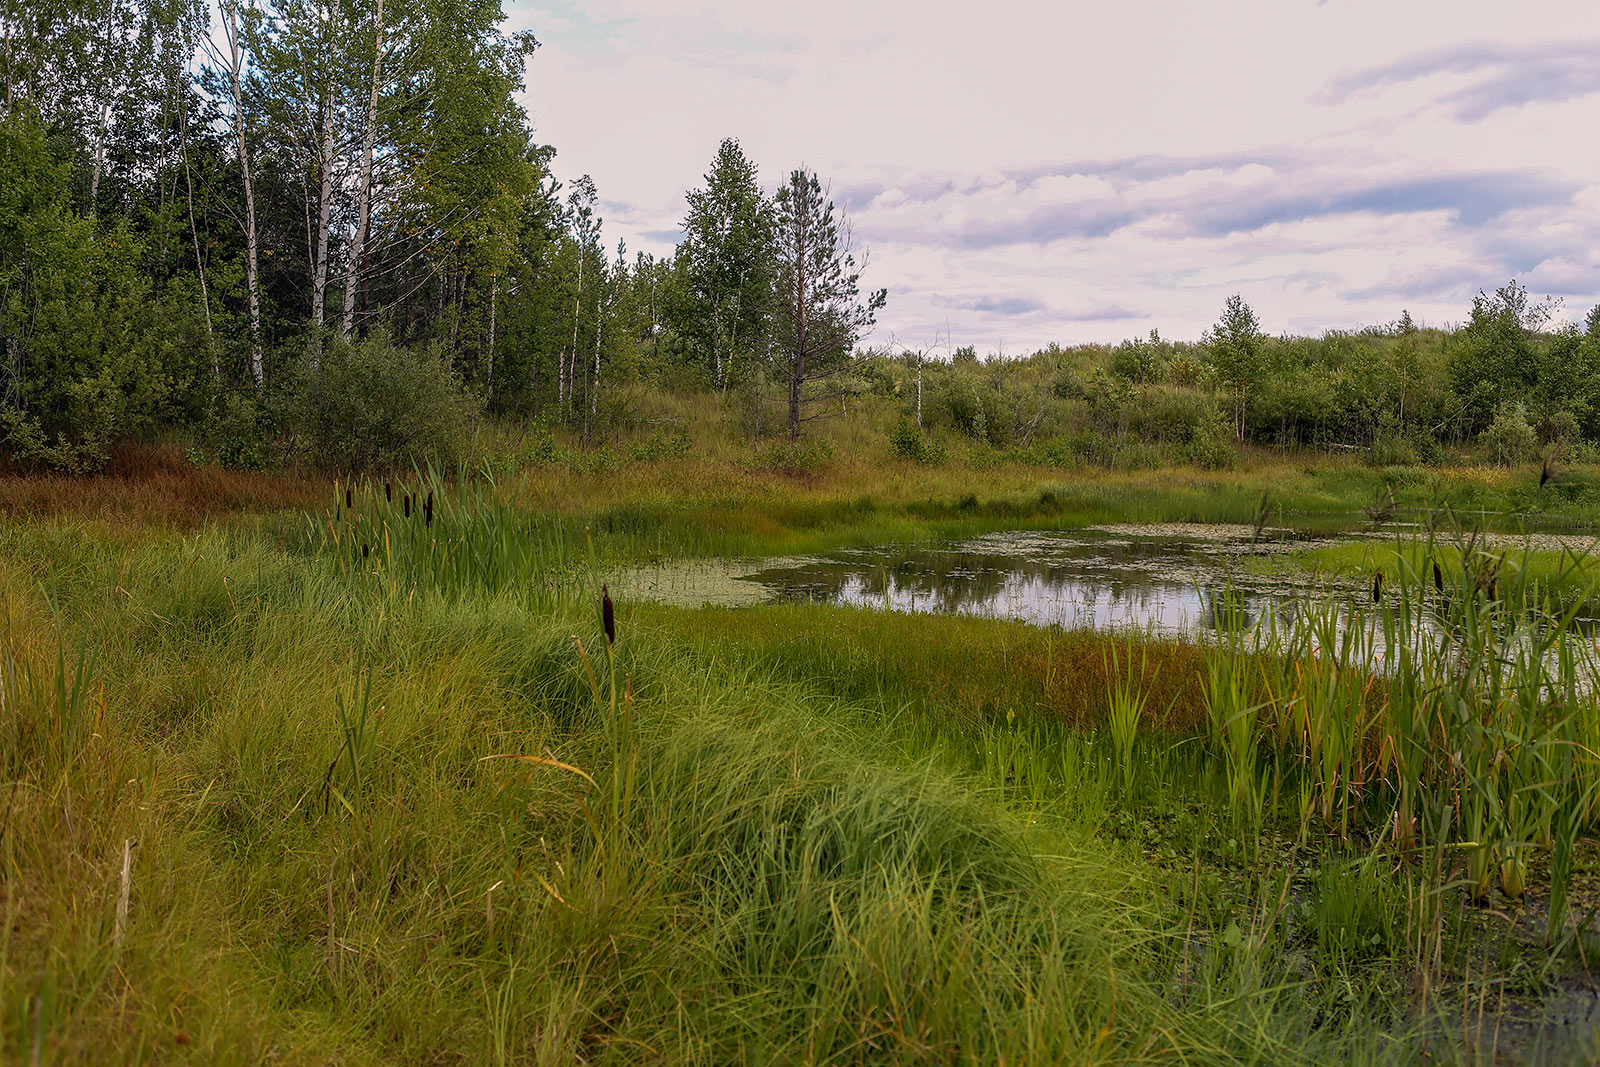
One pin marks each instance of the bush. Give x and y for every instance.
(908, 442)
(660, 445)
(235, 436)
(1390, 449)
(375, 404)
(1509, 438)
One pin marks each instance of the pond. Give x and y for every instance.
(1170, 580)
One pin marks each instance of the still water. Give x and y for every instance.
(1170, 580)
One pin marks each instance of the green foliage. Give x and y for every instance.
(373, 405)
(820, 312)
(238, 431)
(86, 361)
(727, 258)
(660, 445)
(801, 458)
(1235, 346)
(1509, 438)
(1138, 360)
(908, 442)
(1492, 360)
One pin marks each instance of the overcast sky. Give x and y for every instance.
(1030, 172)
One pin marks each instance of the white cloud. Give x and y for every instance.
(1026, 170)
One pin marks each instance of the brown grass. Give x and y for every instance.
(152, 485)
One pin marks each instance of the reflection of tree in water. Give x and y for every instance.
(1228, 610)
(1083, 582)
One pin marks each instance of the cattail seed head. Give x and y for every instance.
(407, 505)
(349, 497)
(365, 548)
(427, 510)
(1377, 586)
(1438, 578)
(608, 615)
(388, 492)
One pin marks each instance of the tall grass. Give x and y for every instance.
(290, 740)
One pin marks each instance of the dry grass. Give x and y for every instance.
(152, 485)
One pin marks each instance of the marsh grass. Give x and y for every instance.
(390, 805)
(690, 864)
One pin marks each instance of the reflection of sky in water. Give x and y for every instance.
(1172, 584)
(1164, 585)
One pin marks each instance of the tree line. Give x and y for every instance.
(1505, 385)
(325, 231)
(252, 222)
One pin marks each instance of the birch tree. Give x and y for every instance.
(728, 254)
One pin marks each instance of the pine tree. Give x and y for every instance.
(819, 314)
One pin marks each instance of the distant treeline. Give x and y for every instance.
(287, 233)
(1502, 387)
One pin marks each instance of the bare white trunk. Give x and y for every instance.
(594, 390)
(99, 155)
(104, 122)
(319, 277)
(364, 203)
(252, 282)
(919, 391)
(570, 363)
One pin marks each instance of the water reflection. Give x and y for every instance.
(1168, 583)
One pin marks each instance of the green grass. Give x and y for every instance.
(1569, 571)
(381, 806)
(325, 866)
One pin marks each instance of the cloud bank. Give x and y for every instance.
(1083, 174)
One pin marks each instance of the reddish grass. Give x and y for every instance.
(152, 485)
(969, 668)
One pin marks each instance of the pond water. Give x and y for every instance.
(1169, 580)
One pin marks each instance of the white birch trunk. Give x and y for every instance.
(364, 203)
(570, 363)
(252, 282)
(319, 278)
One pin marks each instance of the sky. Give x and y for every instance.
(1020, 173)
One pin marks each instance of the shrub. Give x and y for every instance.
(908, 442)
(235, 436)
(660, 445)
(1561, 426)
(1509, 438)
(375, 404)
(1390, 449)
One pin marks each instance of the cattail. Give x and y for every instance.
(1377, 586)
(1438, 578)
(365, 548)
(388, 492)
(1494, 590)
(608, 615)
(427, 510)
(349, 497)
(408, 505)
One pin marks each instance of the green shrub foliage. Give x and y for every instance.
(374, 404)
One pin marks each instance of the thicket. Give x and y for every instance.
(337, 243)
